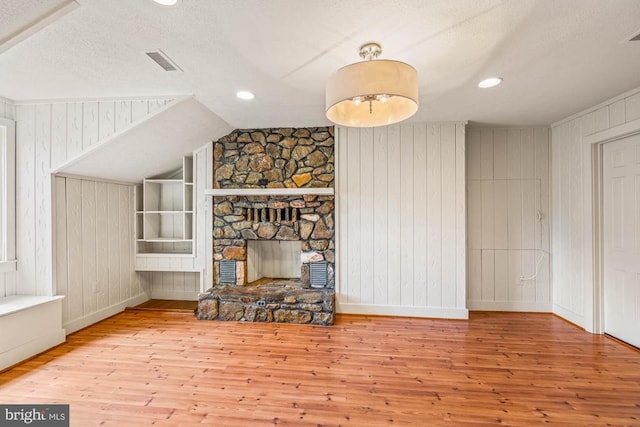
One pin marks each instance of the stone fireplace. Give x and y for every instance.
(273, 186)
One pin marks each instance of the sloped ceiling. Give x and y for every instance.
(154, 145)
(557, 57)
(21, 18)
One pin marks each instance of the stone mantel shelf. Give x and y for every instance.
(269, 191)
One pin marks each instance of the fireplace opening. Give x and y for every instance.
(268, 260)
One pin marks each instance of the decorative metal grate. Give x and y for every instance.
(256, 215)
(227, 271)
(318, 274)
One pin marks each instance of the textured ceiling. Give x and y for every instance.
(557, 57)
(15, 15)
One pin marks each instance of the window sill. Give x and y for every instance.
(7, 266)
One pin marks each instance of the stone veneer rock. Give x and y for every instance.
(283, 302)
(275, 158)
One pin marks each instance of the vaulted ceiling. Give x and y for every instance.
(557, 57)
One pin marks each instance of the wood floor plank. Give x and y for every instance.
(158, 368)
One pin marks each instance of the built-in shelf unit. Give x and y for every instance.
(165, 221)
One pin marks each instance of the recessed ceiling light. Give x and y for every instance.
(167, 2)
(490, 82)
(245, 94)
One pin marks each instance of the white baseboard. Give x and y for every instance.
(569, 315)
(83, 322)
(526, 306)
(177, 295)
(407, 311)
(29, 325)
(32, 348)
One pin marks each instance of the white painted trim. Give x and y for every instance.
(612, 134)
(569, 315)
(93, 179)
(177, 295)
(163, 254)
(77, 324)
(268, 191)
(169, 97)
(168, 269)
(403, 311)
(337, 182)
(596, 142)
(32, 348)
(535, 307)
(480, 126)
(7, 266)
(8, 191)
(105, 142)
(7, 100)
(13, 304)
(597, 107)
(37, 25)
(597, 302)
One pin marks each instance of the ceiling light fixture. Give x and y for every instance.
(490, 82)
(374, 92)
(245, 94)
(167, 2)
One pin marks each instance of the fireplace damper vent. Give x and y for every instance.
(227, 271)
(318, 274)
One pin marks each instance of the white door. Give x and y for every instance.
(621, 231)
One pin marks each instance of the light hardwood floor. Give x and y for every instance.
(144, 368)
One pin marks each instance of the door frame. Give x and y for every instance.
(596, 144)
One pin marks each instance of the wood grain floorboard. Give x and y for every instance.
(143, 368)
(167, 305)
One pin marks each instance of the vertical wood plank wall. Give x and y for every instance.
(203, 206)
(401, 242)
(8, 279)
(174, 285)
(572, 201)
(48, 135)
(93, 245)
(508, 219)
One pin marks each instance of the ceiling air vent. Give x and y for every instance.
(161, 58)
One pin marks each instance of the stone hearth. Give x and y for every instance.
(282, 301)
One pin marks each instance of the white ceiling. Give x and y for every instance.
(557, 57)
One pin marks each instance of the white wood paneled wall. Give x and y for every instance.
(507, 219)
(47, 135)
(203, 205)
(173, 285)
(7, 109)
(78, 126)
(8, 279)
(401, 245)
(94, 245)
(572, 201)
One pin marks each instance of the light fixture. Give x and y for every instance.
(490, 82)
(245, 94)
(167, 2)
(374, 92)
